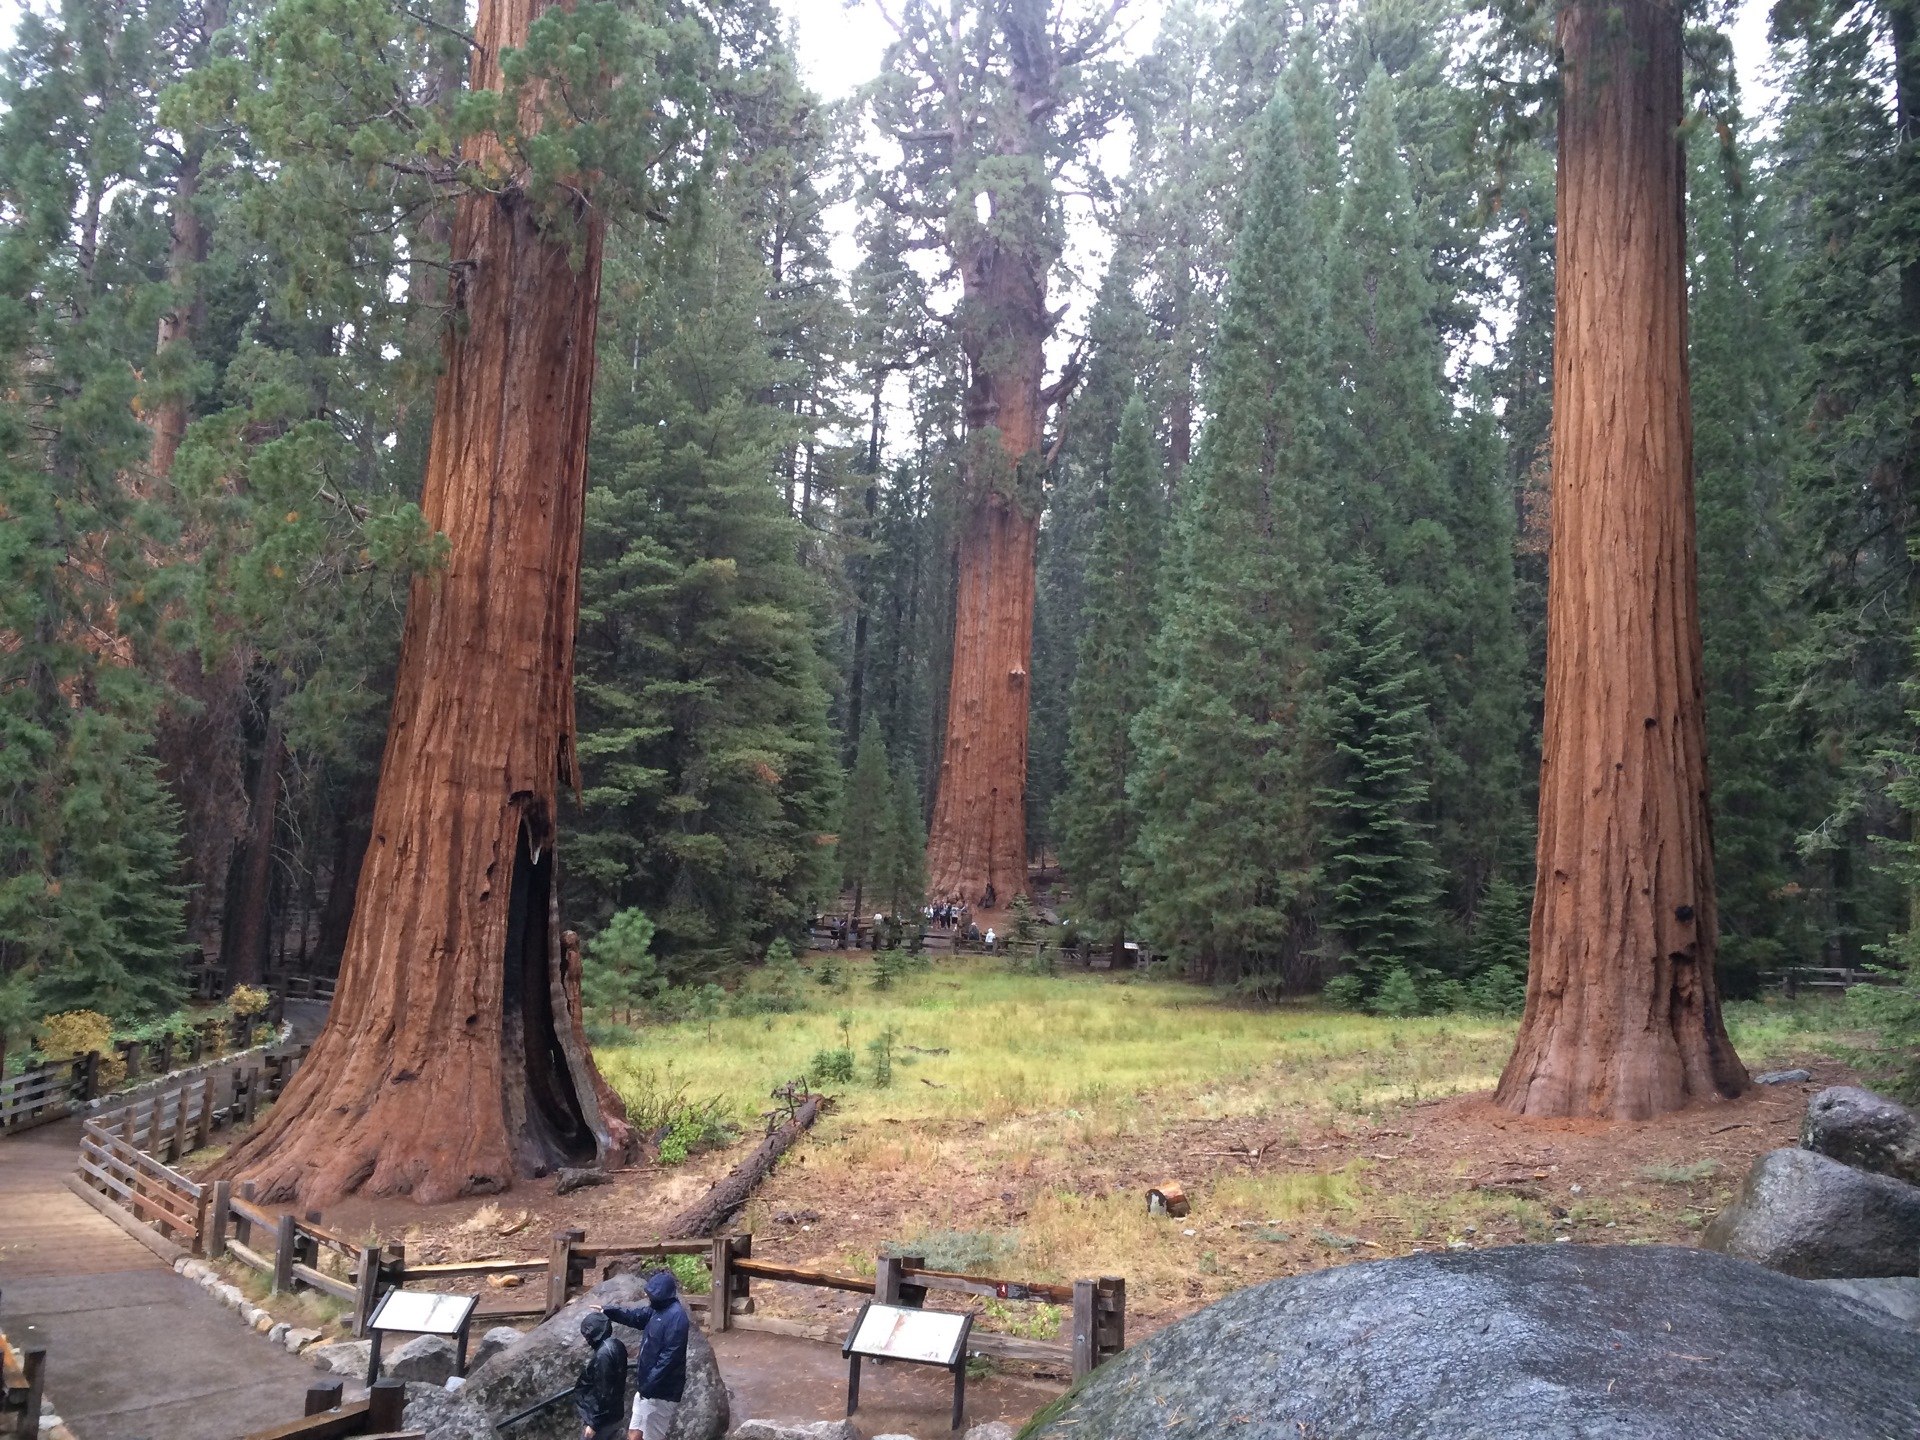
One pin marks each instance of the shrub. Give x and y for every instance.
(692, 1274)
(694, 1129)
(1498, 990)
(880, 1057)
(1347, 991)
(831, 1067)
(782, 992)
(247, 1000)
(829, 973)
(888, 967)
(1398, 995)
(78, 1032)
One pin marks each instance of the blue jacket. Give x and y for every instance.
(660, 1372)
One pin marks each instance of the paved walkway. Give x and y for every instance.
(134, 1351)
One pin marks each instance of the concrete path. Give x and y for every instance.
(134, 1351)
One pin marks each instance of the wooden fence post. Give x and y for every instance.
(1085, 1328)
(166, 1055)
(718, 1318)
(283, 1254)
(324, 1395)
(219, 1215)
(242, 1226)
(205, 1131)
(180, 1132)
(386, 1402)
(560, 1266)
(1110, 1336)
(890, 1283)
(34, 1364)
(90, 1076)
(366, 1288)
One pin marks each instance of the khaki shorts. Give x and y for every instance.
(653, 1418)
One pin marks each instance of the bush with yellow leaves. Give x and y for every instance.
(73, 1033)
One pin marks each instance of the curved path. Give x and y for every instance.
(134, 1351)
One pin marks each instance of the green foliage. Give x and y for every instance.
(711, 777)
(900, 861)
(1381, 884)
(618, 972)
(880, 1057)
(1398, 994)
(1112, 681)
(784, 978)
(889, 966)
(831, 1067)
(1224, 762)
(864, 821)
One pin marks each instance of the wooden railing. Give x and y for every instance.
(43, 1094)
(149, 1192)
(378, 1417)
(1794, 979)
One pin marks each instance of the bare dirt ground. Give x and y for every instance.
(1272, 1196)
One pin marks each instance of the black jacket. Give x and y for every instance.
(600, 1395)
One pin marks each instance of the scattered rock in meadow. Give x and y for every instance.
(346, 1357)
(1809, 1215)
(1783, 1077)
(1865, 1130)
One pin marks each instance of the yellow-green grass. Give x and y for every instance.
(974, 1041)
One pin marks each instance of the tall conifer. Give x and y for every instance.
(1098, 824)
(1225, 769)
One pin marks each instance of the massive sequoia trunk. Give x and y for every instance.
(1622, 1017)
(453, 1060)
(977, 844)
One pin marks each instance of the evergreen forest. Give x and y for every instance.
(1276, 282)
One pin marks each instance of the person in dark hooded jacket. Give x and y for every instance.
(660, 1372)
(600, 1394)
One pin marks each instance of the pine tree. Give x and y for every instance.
(867, 818)
(1098, 825)
(904, 873)
(1223, 778)
(1419, 493)
(711, 775)
(1381, 885)
(1742, 360)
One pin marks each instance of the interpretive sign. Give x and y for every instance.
(421, 1312)
(918, 1337)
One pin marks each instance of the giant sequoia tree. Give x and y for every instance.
(990, 102)
(1622, 1016)
(453, 1059)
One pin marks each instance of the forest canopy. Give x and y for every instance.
(1107, 453)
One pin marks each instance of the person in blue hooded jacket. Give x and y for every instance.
(660, 1372)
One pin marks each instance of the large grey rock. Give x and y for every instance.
(1527, 1342)
(444, 1416)
(549, 1359)
(1898, 1296)
(348, 1357)
(500, 1337)
(1864, 1130)
(992, 1430)
(813, 1430)
(1811, 1216)
(426, 1358)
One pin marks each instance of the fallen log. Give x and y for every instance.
(730, 1195)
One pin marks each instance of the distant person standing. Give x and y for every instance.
(660, 1373)
(990, 939)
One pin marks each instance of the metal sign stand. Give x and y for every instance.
(421, 1312)
(918, 1337)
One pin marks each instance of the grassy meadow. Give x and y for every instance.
(1025, 1114)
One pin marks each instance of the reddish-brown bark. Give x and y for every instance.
(977, 843)
(453, 1060)
(1622, 1017)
